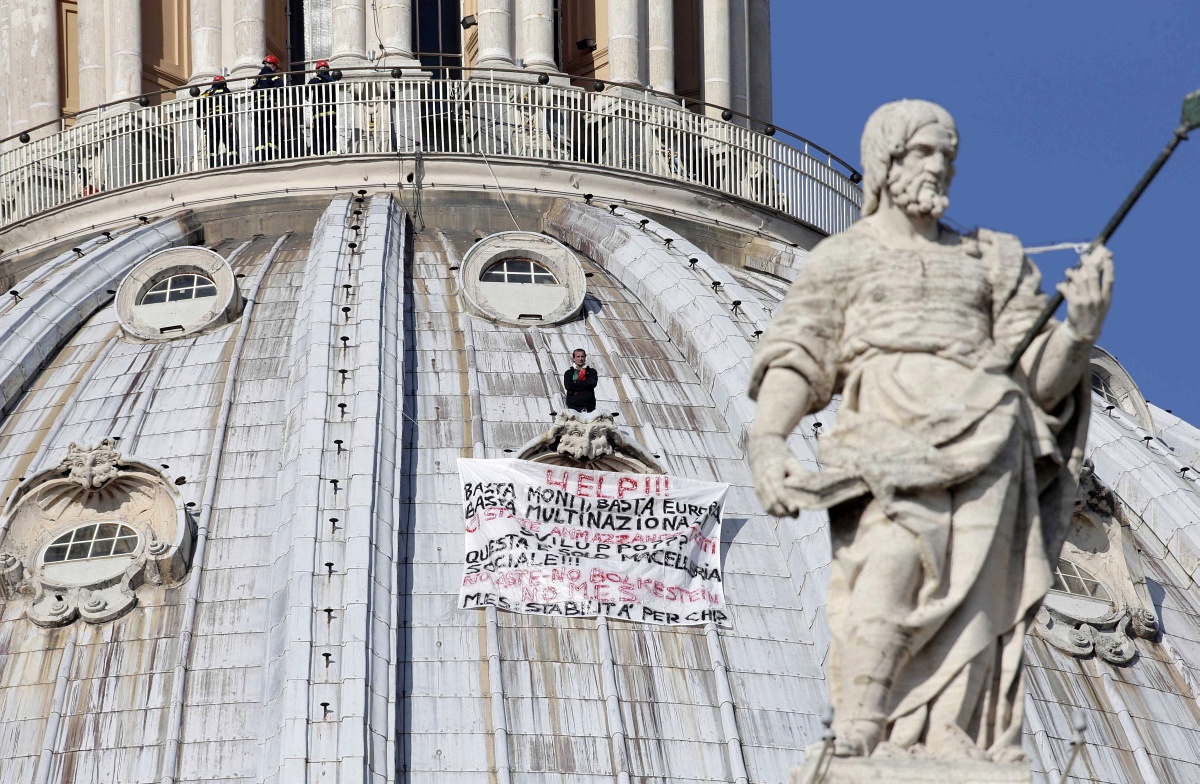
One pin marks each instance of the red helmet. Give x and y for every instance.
(322, 63)
(218, 78)
(272, 59)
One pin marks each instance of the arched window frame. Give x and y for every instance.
(92, 540)
(1070, 578)
(179, 287)
(518, 270)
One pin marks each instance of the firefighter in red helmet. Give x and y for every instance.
(322, 95)
(215, 115)
(268, 119)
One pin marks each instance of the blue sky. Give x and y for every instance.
(1060, 105)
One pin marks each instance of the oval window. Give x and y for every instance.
(518, 271)
(97, 540)
(179, 287)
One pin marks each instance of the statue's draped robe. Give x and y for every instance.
(932, 435)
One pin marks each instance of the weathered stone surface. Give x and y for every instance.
(873, 770)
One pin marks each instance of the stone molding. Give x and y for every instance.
(92, 486)
(593, 440)
(494, 301)
(224, 308)
(1100, 541)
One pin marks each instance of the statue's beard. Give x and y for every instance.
(919, 194)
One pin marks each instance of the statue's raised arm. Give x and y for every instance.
(947, 479)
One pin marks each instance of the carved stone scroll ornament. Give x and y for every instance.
(1099, 541)
(593, 440)
(1109, 636)
(58, 519)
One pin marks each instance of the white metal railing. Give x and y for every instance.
(373, 117)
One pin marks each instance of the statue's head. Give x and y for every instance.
(587, 436)
(909, 147)
(92, 468)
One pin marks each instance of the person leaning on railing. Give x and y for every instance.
(267, 119)
(215, 116)
(324, 110)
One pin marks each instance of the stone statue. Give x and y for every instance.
(92, 468)
(592, 440)
(949, 483)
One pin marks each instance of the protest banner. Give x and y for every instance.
(556, 541)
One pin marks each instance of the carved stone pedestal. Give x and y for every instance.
(872, 770)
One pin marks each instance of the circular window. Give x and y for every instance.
(180, 291)
(525, 279)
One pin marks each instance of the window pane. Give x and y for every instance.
(1075, 585)
(540, 278)
(56, 553)
(154, 299)
(493, 276)
(161, 285)
(519, 265)
(124, 545)
(78, 550)
(178, 295)
(519, 278)
(183, 281)
(102, 548)
(107, 531)
(206, 291)
(84, 533)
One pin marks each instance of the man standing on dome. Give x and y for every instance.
(579, 380)
(949, 482)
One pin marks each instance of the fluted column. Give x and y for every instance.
(125, 45)
(739, 66)
(249, 37)
(495, 19)
(538, 18)
(33, 93)
(662, 45)
(716, 56)
(625, 35)
(349, 27)
(758, 25)
(93, 87)
(206, 40)
(396, 33)
(5, 114)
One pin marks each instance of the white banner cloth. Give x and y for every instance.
(549, 540)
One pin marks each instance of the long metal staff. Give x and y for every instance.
(1190, 121)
